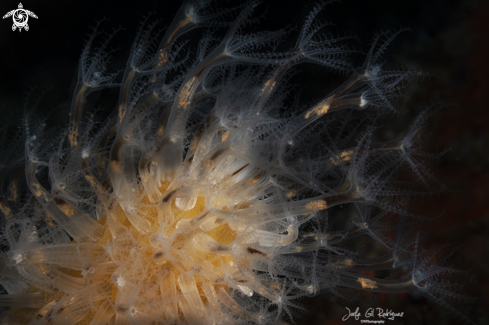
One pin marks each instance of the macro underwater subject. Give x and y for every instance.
(211, 194)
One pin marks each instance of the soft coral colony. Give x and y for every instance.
(199, 201)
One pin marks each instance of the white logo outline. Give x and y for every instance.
(20, 16)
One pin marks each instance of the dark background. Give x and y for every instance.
(449, 39)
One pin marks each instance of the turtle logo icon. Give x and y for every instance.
(20, 17)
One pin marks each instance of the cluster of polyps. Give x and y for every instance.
(198, 201)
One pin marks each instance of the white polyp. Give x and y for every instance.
(310, 289)
(88, 271)
(186, 203)
(247, 291)
(18, 258)
(121, 282)
(33, 236)
(363, 101)
(85, 153)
